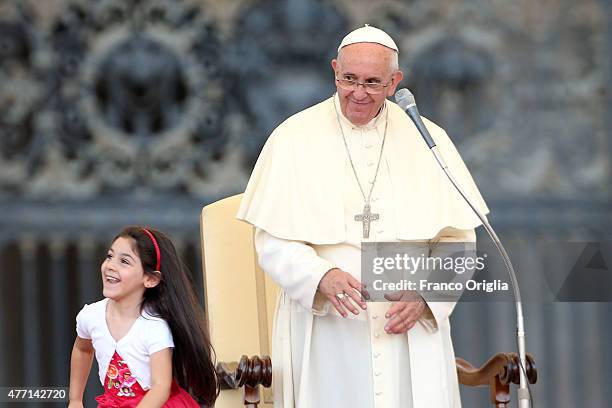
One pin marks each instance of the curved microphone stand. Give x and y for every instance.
(406, 101)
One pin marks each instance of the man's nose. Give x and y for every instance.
(360, 91)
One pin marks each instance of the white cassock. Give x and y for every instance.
(302, 198)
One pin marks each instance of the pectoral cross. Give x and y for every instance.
(366, 217)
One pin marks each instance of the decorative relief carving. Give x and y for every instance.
(109, 96)
(519, 89)
(280, 60)
(21, 94)
(133, 100)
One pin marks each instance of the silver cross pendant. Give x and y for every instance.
(366, 217)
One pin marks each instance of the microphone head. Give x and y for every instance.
(404, 98)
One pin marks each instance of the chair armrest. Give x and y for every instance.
(504, 365)
(252, 371)
(501, 370)
(249, 373)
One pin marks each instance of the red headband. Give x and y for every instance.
(157, 253)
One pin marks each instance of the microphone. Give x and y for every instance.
(405, 100)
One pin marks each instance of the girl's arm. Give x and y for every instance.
(161, 380)
(80, 365)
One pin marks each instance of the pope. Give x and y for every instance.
(348, 170)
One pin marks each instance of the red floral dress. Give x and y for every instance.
(121, 390)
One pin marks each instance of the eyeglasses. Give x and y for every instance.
(372, 88)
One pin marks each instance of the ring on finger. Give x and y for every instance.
(341, 296)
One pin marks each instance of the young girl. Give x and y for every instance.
(148, 333)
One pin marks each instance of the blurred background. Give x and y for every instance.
(117, 112)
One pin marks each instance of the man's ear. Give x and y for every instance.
(334, 64)
(396, 78)
(152, 280)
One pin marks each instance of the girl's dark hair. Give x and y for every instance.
(175, 301)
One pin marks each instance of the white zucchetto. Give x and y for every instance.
(368, 34)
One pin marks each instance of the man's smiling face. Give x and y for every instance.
(364, 63)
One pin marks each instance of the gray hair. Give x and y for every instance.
(394, 63)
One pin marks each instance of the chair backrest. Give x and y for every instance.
(240, 298)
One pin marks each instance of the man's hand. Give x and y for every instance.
(335, 282)
(407, 308)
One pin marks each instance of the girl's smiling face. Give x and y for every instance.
(123, 276)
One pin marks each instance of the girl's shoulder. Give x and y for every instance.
(94, 308)
(91, 318)
(155, 331)
(152, 321)
(151, 315)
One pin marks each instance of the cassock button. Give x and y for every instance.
(368, 146)
(370, 164)
(380, 231)
(378, 393)
(376, 335)
(377, 374)
(376, 355)
(374, 316)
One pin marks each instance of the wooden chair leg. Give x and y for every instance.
(251, 396)
(500, 393)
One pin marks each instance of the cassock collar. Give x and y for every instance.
(377, 122)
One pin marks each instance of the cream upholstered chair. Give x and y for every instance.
(240, 303)
(240, 298)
